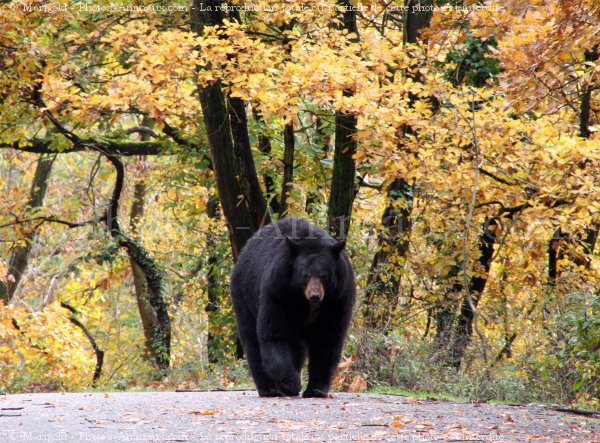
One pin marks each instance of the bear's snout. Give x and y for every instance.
(314, 291)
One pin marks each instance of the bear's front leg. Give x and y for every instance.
(281, 353)
(323, 361)
(278, 362)
(325, 343)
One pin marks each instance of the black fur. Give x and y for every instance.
(277, 325)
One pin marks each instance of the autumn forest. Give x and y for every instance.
(454, 144)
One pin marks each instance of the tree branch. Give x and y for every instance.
(99, 352)
(162, 327)
(495, 177)
(128, 149)
(43, 219)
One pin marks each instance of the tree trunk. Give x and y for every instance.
(586, 98)
(343, 181)
(383, 281)
(147, 315)
(418, 16)
(288, 167)
(244, 216)
(212, 290)
(238, 218)
(152, 288)
(246, 169)
(554, 254)
(463, 330)
(99, 352)
(19, 257)
(591, 233)
(444, 320)
(226, 125)
(312, 197)
(264, 146)
(589, 241)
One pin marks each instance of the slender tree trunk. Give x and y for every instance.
(343, 181)
(586, 98)
(444, 320)
(212, 304)
(554, 254)
(464, 323)
(591, 233)
(589, 241)
(383, 281)
(19, 257)
(288, 167)
(312, 197)
(147, 315)
(264, 146)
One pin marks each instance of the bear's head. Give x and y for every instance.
(315, 266)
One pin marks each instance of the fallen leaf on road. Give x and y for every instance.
(206, 412)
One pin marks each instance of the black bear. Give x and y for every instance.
(293, 292)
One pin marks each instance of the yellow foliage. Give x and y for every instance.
(469, 152)
(42, 350)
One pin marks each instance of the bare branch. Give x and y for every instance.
(51, 219)
(42, 146)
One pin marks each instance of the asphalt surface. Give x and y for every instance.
(241, 416)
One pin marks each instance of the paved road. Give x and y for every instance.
(242, 416)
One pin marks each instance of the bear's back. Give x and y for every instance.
(293, 228)
(267, 253)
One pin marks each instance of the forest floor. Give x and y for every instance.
(242, 416)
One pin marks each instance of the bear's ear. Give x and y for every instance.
(293, 245)
(339, 246)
